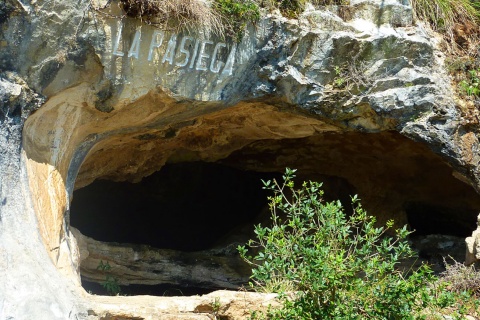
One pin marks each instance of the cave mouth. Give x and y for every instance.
(177, 229)
(427, 219)
(193, 214)
(185, 206)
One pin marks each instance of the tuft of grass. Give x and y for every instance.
(180, 15)
(460, 278)
(455, 294)
(218, 17)
(449, 17)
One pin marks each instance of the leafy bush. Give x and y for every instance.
(327, 265)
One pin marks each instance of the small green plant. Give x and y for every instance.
(339, 81)
(471, 87)
(216, 305)
(327, 265)
(111, 283)
(236, 14)
(292, 8)
(352, 77)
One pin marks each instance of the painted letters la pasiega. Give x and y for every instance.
(200, 55)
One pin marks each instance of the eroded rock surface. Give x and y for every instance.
(472, 253)
(360, 97)
(144, 265)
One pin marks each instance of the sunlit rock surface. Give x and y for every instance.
(356, 96)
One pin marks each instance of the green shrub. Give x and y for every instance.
(292, 8)
(327, 265)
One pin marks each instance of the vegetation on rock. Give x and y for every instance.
(458, 22)
(185, 15)
(220, 17)
(236, 15)
(452, 18)
(471, 86)
(110, 283)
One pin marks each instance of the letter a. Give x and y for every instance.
(155, 43)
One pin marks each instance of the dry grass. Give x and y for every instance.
(460, 278)
(454, 294)
(193, 16)
(457, 20)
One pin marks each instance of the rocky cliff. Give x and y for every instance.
(356, 96)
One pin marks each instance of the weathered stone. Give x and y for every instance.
(472, 254)
(134, 264)
(230, 305)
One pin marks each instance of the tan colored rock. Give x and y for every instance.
(473, 246)
(229, 305)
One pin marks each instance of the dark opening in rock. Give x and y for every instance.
(187, 217)
(186, 207)
(177, 230)
(164, 290)
(395, 177)
(428, 219)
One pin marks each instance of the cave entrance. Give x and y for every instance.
(176, 231)
(197, 207)
(185, 206)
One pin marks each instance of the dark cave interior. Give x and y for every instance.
(187, 206)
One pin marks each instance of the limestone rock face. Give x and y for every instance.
(473, 246)
(359, 96)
